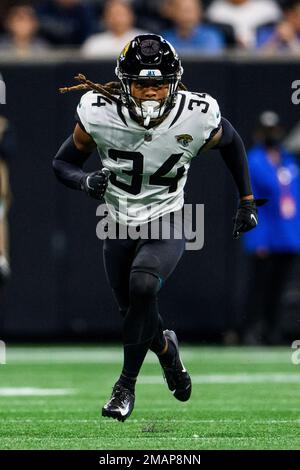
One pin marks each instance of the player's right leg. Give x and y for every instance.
(136, 297)
(117, 256)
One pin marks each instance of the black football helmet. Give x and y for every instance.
(149, 57)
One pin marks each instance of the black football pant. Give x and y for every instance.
(136, 271)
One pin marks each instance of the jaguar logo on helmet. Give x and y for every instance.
(149, 56)
(124, 51)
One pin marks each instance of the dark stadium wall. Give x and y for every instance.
(58, 288)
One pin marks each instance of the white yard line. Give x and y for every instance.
(230, 378)
(30, 392)
(109, 355)
(141, 437)
(154, 421)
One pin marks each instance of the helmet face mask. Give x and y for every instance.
(148, 58)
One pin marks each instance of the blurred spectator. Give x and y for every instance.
(286, 34)
(6, 149)
(4, 6)
(189, 33)
(118, 18)
(152, 15)
(66, 23)
(245, 16)
(274, 245)
(21, 37)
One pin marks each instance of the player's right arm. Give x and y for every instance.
(68, 165)
(83, 141)
(232, 149)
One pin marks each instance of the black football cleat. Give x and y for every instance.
(176, 376)
(120, 405)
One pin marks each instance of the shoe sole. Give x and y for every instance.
(171, 335)
(114, 415)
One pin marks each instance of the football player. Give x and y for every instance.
(147, 129)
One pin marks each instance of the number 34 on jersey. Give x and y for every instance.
(148, 166)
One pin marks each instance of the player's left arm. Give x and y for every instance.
(232, 149)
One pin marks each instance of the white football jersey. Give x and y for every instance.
(148, 167)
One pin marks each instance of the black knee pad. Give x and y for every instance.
(146, 261)
(143, 284)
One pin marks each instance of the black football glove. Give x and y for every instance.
(246, 217)
(95, 184)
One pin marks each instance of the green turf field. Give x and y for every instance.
(243, 398)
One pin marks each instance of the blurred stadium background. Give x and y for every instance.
(58, 287)
(57, 291)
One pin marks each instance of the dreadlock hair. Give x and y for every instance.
(111, 90)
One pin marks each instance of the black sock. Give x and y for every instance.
(167, 358)
(127, 382)
(158, 342)
(140, 322)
